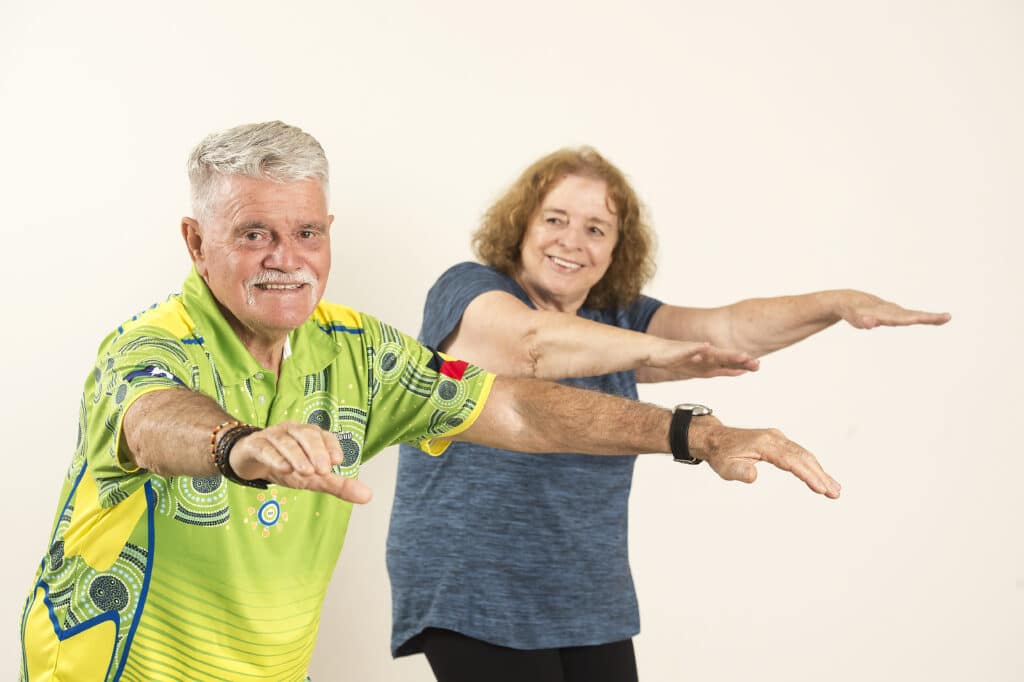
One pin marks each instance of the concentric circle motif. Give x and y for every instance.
(269, 513)
(391, 362)
(321, 418)
(108, 593)
(206, 484)
(56, 555)
(448, 394)
(349, 448)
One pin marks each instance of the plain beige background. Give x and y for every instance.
(781, 147)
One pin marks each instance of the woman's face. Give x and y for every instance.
(568, 244)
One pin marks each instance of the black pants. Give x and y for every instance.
(458, 658)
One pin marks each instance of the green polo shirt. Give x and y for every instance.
(149, 577)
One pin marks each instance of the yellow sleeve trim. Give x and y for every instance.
(437, 445)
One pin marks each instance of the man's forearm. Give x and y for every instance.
(538, 416)
(168, 432)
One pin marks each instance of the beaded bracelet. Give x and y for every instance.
(221, 451)
(213, 438)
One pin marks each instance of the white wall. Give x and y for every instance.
(782, 147)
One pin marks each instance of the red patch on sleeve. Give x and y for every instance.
(454, 368)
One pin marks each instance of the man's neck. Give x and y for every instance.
(268, 353)
(265, 345)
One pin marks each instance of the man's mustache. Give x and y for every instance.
(283, 278)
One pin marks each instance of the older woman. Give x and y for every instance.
(507, 566)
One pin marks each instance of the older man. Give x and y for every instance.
(222, 431)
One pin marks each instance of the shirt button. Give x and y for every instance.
(259, 376)
(263, 399)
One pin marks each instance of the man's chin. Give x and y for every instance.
(282, 319)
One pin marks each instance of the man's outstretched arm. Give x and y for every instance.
(536, 416)
(168, 432)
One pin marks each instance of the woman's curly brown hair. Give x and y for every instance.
(497, 243)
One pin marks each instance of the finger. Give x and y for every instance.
(334, 451)
(288, 448)
(311, 440)
(903, 317)
(253, 457)
(789, 456)
(726, 373)
(266, 454)
(731, 359)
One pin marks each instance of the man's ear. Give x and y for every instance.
(193, 236)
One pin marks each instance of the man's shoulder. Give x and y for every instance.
(334, 318)
(168, 319)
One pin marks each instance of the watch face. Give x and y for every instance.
(695, 409)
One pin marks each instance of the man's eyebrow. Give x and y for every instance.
(251, 225)
(312, 226)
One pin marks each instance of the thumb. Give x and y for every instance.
(348, 489)
(742, 471)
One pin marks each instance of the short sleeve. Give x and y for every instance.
(639, 314)
(128, 366)
(452, 293)
(418, 395)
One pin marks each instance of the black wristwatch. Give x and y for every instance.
(679, 431)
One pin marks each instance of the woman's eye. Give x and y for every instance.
(596, 230)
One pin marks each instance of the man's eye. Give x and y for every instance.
(253, 236)
(307, 234)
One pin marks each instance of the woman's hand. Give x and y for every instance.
(865, 311)
(675, 360)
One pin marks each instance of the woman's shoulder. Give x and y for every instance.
(472, 278)
(635, 315)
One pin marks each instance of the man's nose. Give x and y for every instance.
(283, 256)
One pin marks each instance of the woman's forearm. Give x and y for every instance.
(763, 325)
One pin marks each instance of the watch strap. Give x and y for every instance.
(679, 436)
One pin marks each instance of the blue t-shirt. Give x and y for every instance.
(521, 550)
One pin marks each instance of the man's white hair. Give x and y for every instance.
(270, 151)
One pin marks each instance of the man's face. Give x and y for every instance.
(265, 252)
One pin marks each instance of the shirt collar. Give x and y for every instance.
(307, 349)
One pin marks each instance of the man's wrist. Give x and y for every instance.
(702, 436)
(224, 449)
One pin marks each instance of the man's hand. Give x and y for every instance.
(674, 360)
(733, 452)
(297, 456)
(865, 311)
